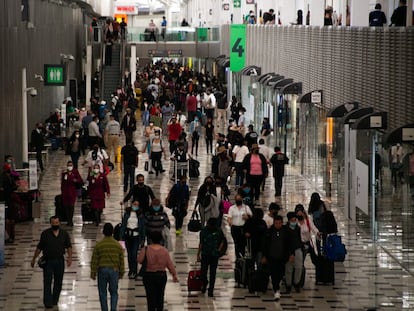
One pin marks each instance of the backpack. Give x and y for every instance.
(334, 248)
(212, 241)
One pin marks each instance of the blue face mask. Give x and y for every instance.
(292, 225)
(135, 208)
(156, 208)
(246, 190)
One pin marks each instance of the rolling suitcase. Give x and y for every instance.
(258, 281)
(88, 214)
(59, 211)
(194, 281)
(324, 271)
(242, 270)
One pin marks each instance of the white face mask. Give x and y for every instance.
(77, 136)
(96, 170)
(240, 113)
(70, 168)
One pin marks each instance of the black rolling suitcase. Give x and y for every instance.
(88, 214)
(242, 271)
(59, 211)
(324, 271)
(258, 281)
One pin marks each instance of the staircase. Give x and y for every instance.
(112, 74)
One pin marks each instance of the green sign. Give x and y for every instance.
(54, 75)
(237, 47)
(237, 3)
(202, 34)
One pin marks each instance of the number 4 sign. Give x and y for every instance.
(237, 47)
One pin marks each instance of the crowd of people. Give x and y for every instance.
(170, 103)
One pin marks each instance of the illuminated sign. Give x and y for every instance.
(54, 75)
(126, 9)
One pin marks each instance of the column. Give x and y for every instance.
(133, 64)
(359, 13)
(88, 74)
(317, 10)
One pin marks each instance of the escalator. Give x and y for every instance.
(111, 75)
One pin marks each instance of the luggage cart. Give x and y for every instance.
(180, 169)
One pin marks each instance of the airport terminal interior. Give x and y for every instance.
(338, 97)
(368, 279)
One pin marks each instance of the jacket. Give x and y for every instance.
(246, 164)
(140, 226)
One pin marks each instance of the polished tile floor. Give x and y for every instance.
(368, 279)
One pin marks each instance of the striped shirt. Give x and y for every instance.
(107, 253)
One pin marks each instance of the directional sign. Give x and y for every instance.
(237, 47)
(54, 75)
(237, 3)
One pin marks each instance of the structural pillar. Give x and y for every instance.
(317, 10)
(88, 74)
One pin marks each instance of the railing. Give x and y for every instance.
(136, 34)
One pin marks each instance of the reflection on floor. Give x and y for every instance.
(369, 278)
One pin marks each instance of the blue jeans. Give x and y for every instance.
(129, 174)
(108, 279)
(132, 245)
(55, 267)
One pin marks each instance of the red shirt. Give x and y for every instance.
(191, 103)
(174, 130)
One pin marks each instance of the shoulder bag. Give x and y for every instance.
(194, 225)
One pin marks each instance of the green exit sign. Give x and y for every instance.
(55, 75)
(237, 3)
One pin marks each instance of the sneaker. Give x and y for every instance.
(132, 276)
(297, 289)
(178, 232)
(276, 296)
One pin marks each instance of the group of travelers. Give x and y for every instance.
(172, 103)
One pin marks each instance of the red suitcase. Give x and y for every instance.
(194, 281)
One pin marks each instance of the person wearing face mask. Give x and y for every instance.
(195, 130)
(74, 148)
(307, 229)
(294, 266)
(177, 200)
(174, 131)
(241, 121)
(209, 135)
(156, 151)
(239, 213)
(8, 186)
(70, 182)
(167, 113)
(156, 219)
(207, 209)
(141, 193)
(132, 231)
(96, 156)
(255, 167)
(98, 186)
(95, 135)
(54, 242)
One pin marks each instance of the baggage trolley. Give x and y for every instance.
(180, 169)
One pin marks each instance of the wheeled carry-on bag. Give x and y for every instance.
(194, 281)
(258, 281)
(324, 271)
(59, 211)
(88, 214)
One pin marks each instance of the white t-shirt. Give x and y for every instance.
(240, 152)
(100, 157)
(268, 219)
(266, 151)
(236, 214)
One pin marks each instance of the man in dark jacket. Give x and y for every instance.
(141, 193)
(293, 268)
(275, 253)
(377, 17)
(278, 161)
(128, 125)
(399, 16)
(37, 143)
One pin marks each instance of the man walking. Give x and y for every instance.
(53, 243)
(129, 125)
(37, 143)
(129, 155)
(278, 161)
(112, 131)
(141, 193)
(108, 264)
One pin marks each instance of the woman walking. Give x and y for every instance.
(157, 259)
(70, 182)
(97, 188)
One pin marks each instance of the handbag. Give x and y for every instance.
(226, 206)
(194, 225)
(144, 264)
(42, 262)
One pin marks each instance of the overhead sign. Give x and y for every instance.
(126, 9)
(316, 97)
(237, 47)
(237, 3)
(165, 53)
(226, 6)
(54, 75)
